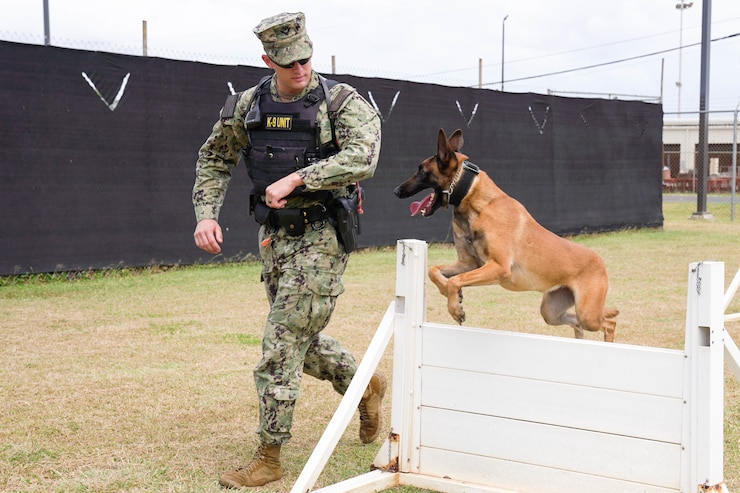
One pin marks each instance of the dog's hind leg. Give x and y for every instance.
(554, 309)
(609, 325)
(592, 316)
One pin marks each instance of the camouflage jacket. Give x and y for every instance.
(357, 131)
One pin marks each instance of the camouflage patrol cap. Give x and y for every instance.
(284, 37)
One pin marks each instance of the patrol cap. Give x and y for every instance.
(284, 37)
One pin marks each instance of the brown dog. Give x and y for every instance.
(499, 242)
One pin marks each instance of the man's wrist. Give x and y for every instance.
(296, 180)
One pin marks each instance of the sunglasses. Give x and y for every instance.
(302, 62)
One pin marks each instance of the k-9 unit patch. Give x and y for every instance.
(278, 122)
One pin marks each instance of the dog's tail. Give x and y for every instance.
(611, 313)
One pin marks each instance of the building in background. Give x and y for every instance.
(681, 147)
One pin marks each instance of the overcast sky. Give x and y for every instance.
(429, 40)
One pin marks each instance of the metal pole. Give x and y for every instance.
(47, 36)
(681, 7)
(703, 168)
(734, 164)
(143, 38)
(503, 40)
(662, 73)
(480, 73)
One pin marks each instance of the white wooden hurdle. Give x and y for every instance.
(481, 410)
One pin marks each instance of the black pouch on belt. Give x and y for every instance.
(262, 213)
(292, 220)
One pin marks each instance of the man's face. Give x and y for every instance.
(292, 80)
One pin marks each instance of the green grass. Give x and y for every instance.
(140, 379)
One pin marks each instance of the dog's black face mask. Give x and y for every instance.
(433, 173)
(423, 179)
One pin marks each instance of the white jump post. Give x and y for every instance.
(489, 411)
(411, 274)
(704, 379)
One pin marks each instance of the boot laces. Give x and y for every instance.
(259, 456)
(363, 412)
(364, 416)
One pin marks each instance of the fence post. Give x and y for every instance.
(733, 174)
(411, 260)
(704, 393)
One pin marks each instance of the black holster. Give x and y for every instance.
(348, 219)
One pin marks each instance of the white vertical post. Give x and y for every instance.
(411, 259)
(705, 375)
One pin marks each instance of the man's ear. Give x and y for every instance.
(267, 61)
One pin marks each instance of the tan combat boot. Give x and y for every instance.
(263, 468)
(370, 408)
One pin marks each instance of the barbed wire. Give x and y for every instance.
(454, 78)
(222, 59)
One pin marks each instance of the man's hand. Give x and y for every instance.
(275, 194)
(208, 236)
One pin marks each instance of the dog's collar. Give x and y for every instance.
(461, 183)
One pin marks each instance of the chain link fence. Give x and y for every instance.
(681, 151)
(682, 154)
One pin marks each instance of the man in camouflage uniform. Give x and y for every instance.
(302, 273)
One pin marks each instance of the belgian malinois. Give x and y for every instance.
(499, 242)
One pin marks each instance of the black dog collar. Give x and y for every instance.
(459, 190)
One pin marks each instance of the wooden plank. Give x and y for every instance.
(567, 449)
(442, 472)
(347, 405)
(588, 408)
(364, 483)
(579, 362)
(730, 293)
(447, 485)
(732, 356)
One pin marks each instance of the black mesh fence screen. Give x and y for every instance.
(97, 156)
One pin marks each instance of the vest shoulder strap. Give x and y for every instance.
(231, 101)
(263, 86)
(337, 102)
(333, 105)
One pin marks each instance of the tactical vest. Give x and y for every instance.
(284, 137)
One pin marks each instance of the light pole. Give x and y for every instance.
(47, 36)
(503, 39)
(681, 7)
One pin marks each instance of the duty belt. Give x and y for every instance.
(294, 221)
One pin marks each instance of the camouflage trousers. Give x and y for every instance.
(303, 277)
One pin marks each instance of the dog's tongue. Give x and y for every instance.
(420, 205)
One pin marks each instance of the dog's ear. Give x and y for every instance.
(456, 140)
(444, 150)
